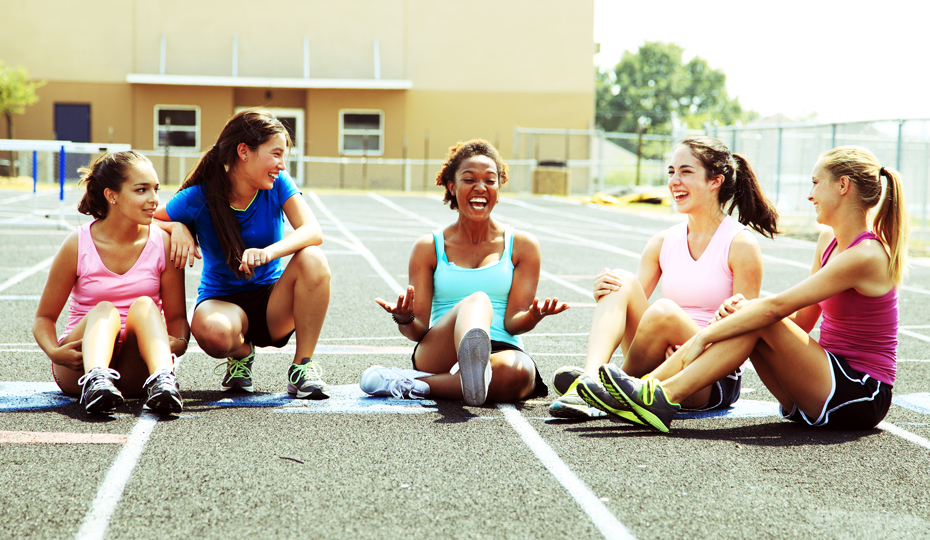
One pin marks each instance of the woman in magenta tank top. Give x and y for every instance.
(701, 262)
(844, 381)
(126, 315)
(472, 293)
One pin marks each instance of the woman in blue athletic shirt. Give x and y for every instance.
(235, 201)
(472, 293)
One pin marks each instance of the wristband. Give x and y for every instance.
(404, 323)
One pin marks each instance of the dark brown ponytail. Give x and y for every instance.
(253, 127)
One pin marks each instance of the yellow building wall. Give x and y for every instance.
(110, 104)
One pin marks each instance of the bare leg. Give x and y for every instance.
(98, 332)
(300, 299)
(616, 318)
(145, 348)
(220, 328)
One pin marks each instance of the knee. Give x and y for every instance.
(631, 285)
(478, 299)
(216, 336)
(103, 309)
(314, 266)
(144, 305)
(662, 314)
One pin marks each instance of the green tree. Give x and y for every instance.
(650, 87)
(16, 93)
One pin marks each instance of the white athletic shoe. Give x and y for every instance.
(394, 382)
(475, 366)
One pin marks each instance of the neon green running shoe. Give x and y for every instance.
(571, 406)
(564, 378)
(645, 396)
(238, 377)
(305, 381)
(594, 393)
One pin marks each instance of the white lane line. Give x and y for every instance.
(577, 240)
(566, 284)
(26, 273)
(914, 335)
(97, 519)
(895, 430)
(648, 233)
(358, 246)
(606, 523)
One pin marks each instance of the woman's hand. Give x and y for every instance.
(402, 311)
(183, 247)
(69, 355)
(729, 306)
(253, 257)
(670, 350)
(548, 307)
(605, 283)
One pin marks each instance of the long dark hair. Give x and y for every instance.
(740, 186)
(252, 127)
(108, 171)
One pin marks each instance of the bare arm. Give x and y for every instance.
(182, 247)
(61, 278)
(648, 272)
(307, 232)
(173, 305)
(417, 301)
(524, 310)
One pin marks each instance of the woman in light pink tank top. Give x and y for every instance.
(701, 262)
(844, 381)
(120, 293)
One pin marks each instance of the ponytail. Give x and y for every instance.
(740, 187)
(891, 223)
(109, 171)
(755, 209)
(251, 127)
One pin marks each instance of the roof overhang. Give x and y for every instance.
(269, 82)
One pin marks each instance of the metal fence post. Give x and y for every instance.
(778, 169)
(900, 140)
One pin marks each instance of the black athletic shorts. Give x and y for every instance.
(255, 305)
(857, 401)
(723, 393)
(541, 389)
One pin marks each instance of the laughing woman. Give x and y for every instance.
(472, 293)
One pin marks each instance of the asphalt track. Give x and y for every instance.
(359, 467)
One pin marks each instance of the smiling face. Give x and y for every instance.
(476, 187)
(824, 194)
(137, 198)
(688, 182)
(262, 165)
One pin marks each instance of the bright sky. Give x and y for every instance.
(844, 60)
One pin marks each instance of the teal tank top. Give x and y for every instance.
(451, 284)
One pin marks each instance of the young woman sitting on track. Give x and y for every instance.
(235, 201)
(471, 294)
(702, 262)
(126, 317)
(844, 381)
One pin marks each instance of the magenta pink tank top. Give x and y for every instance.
(698, 286)
(95, 283)
(862, 329)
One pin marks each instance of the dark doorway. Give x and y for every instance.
(72, 122)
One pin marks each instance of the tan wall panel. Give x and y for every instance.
(323, 106)
(451, 117)
(64, 40)
(110, 106)
(271, 39)
(535, 46)
(216, 108)
(286, 98)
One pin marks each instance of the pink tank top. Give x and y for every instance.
(95, 283)
(862, 329)
(698, 286)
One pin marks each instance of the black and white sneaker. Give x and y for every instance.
(163, 395)
(100, 395)
(305, 380)
(475, 366)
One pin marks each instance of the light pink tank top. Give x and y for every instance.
(95, 283)
(698, 286)
(862, 329)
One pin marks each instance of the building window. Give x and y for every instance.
(361, 132)
(177, 126)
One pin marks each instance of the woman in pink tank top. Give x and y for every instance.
(845, 380)
(701, 263)
(127, 318)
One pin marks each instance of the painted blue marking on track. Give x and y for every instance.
(743, 408)
(344, 399)
(915, 402)
(31, 396)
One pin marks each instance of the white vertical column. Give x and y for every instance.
(235, 56)
(377, 60)
(164, 53)
(306, 57)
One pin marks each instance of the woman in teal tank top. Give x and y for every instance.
(472, 293)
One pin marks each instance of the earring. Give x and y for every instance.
(112, 202)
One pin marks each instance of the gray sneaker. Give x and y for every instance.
(162, 393)
(99, 395)
(475, 366)
(305, 382)
(644, 396)
(238, 377)
(594, 394)
(564, 378)
(571, 406)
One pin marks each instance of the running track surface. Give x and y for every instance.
(358, 467)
